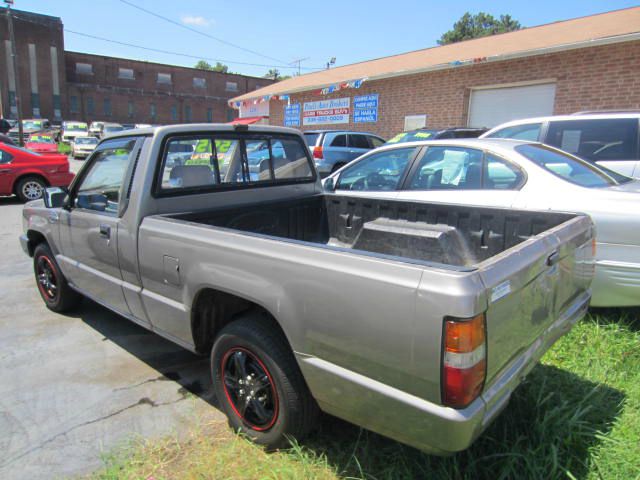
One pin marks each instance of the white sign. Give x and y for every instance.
(413, 122)
(257, 110)
(326, 111)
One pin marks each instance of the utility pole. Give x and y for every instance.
(298, 61)
(16, 73)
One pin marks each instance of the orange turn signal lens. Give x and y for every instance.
(464, 336)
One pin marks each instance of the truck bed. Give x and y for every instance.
(452, 235)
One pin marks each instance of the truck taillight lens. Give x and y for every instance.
(317, 152)
(464, 360)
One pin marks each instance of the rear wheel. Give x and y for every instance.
(259, 384)
(53, 287)
(30, 188)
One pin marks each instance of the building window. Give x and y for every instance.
(35, 104)
(130, 109)
(174, 113)
(187, 113)
(232, 87)
(153, 111)
(126, 74)
(107, 107)
(164, 78)
(210, 115)
(73, 104)
(91, 106)
(84, 68)
(199, 82)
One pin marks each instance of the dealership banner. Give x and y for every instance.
(292, 115)
(365, 108)
(325, 112)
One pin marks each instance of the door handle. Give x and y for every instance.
(105, 231)
(553, 259)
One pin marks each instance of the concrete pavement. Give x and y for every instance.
(75, 386)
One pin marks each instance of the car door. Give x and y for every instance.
(335, 150)
(452, 174)
(89, 229)
(379, 174)
(609, 142)
(6, 172)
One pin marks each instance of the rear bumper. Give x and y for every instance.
(616, 284)
(412, 420)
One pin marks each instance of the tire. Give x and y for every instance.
(56, 293)
(276, 385)
(30, 188)
(337, 167)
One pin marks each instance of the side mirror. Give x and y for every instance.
(92, 201)
(329, 184)
(55, 197)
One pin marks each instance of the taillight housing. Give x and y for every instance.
(317, 152)
(464, 360)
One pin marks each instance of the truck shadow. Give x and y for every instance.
(629, 317)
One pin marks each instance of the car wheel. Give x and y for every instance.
(337, 167)
(30, 188)
(56, 293)
(259, 385)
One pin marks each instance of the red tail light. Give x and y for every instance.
(464, 360)
(317, 152)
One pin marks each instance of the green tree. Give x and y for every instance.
(218, 67)
(274, 74)
(479, 25)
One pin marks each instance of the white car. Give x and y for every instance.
(609, 139)
(72, 130)
(82, 147)
(513, 174)
(95, 128)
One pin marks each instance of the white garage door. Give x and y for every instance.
(493, 106)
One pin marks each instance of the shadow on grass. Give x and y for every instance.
(628, 317)
(549, 428)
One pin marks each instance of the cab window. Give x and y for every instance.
(377, 172)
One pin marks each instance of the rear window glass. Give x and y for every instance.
(413, 136)
(606, 139)
(358, 141)
(339, 141)
(566, 167)
(311, 138)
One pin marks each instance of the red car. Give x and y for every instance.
(26, 174)
(42, 143)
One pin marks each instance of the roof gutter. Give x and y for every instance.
(445, 66)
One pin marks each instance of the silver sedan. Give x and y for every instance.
(514, 174)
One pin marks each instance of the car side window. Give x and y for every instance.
(500, 174)
(5, 157)
(358, 141)
(101, 186)
(605, 139)
(375, 142)
(448, 168)
(528, 131)
(339, 141)
(378, 172)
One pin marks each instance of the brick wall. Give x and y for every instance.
(604, 77)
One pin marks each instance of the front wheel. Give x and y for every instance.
(259, 384)
(30, 188)
(58, 296)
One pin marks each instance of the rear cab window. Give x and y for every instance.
(207, 162)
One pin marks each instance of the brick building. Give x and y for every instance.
(589, 63)
(59, 84)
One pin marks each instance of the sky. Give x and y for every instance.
(253, 36)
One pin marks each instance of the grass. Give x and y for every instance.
(577, 417)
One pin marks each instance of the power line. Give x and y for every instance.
(199, 32)
(186, 55)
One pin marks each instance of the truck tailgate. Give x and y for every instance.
(531, 285)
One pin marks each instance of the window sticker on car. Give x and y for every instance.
(397, 138)
(500, 291)
(422, 134)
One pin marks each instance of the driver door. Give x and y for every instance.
(89, 229)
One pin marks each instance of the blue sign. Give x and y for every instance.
(365, 108)
(292, 115)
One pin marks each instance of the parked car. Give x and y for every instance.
(333, 149)
(515, 174)
(305, 300)
(430, 134)
(142, 125)
(72, 130)
(608, 139)
(42, 143)
(95, 128)
(26, 174)
(29, 127)
(82, 147)
(109, 128)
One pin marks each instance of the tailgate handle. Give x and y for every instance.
(553, 259)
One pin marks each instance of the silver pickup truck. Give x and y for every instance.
(411, 319)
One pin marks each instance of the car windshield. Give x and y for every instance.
(75, 127)
(414, 136)
(86, 141)
(32, 124)
(311, 138)
(41, 139)
(568, 167)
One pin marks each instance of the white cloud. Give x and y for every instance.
(196, 20)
